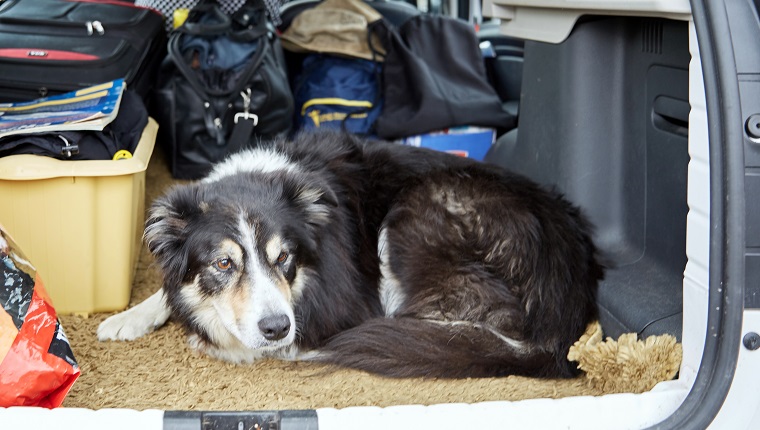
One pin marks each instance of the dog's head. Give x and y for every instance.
(235, 253)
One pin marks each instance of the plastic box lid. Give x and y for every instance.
(29, 167)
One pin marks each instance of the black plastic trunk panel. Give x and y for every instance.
(604, 118)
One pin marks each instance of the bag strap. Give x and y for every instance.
(244, 123)
(175, 56)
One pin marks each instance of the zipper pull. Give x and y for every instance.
(68, 149)
(93, 26)
(98, 26)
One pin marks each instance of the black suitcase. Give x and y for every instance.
(50, 47)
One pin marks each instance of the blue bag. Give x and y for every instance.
(337, 92)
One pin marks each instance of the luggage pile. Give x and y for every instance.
(235, 73)
(398, 75)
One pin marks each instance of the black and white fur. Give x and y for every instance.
(397, 260)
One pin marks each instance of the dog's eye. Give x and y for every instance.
(223, 264)
(282, 257)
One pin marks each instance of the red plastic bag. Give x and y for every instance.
(37, 366)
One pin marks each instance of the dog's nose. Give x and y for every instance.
(274, 327)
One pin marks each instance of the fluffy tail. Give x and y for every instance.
(410, 347)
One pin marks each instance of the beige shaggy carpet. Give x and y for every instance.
(159, 371)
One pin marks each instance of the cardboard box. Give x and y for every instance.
(472, 142)
(79, 222)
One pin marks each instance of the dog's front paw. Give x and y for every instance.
(137, 321)
(123, 326)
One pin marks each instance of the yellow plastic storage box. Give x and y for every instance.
(79, 223)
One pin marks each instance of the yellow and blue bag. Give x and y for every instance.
(337, 92)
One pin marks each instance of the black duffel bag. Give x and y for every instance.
(427, 90)
(222, 87)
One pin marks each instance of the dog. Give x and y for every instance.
(396, 260)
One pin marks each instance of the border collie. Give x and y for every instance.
(396, 260)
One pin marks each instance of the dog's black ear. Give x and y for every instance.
(317, 199)
(165, 223)
(166, 227)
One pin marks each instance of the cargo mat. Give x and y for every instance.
(159, 371)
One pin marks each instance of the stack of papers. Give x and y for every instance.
(90, 108)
